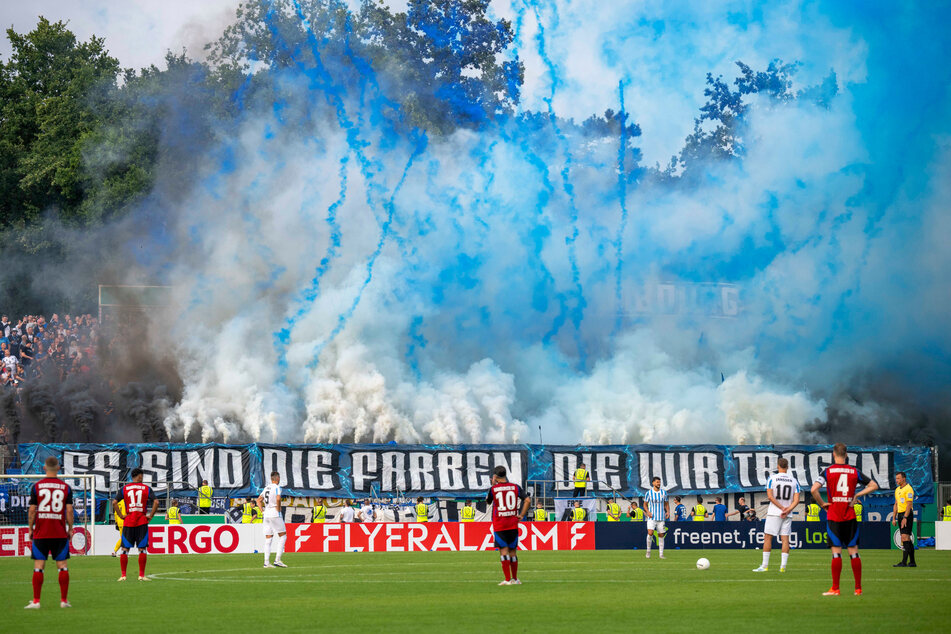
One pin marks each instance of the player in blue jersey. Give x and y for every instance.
(657, 508)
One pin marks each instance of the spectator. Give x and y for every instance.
(346, 513)
(719, 511)
(366, 513)
(744, 511)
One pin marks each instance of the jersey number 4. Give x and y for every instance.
(505, 500)
(842, 486)
(51, 501)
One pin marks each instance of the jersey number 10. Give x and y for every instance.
(505, 500)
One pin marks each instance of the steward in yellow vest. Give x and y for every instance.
(174, 514)
(247, 512)
(119, 521)
(614, 511)
(258, 516)
(468, 513)
(581, 481)
(858, 511)
(320, 512)
(204, 497)
(699, 512)
(422, 511)
(637, 514)
(812, 512)
(947, 512)
(578, 514)
(540, 514)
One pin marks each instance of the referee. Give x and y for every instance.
(903, 514)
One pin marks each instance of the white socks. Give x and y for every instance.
(765, 559)
(784, 559)
(267, 549)
(280, 546)
(660, 545)
(649, 539)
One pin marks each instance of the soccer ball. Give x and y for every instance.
(703, 563)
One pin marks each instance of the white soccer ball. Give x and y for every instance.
(703, 563)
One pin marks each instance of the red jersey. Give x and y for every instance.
(505, 498)
(840, 481)
(51, 497)
(138, 498)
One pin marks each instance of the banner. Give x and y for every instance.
(730, 535)
(380, 471)
(436, 536)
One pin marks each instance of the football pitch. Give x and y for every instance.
(420, 592)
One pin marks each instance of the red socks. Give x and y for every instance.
(857, 570)
(63, 584)
(836, 571)
(123, 562)
(37, 584)
(506, 569)
(513, 563)
(142, 557)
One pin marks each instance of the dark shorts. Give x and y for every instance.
(55, 547)
(580, 492)
(507, 539)
(135, 537)
(906, 529)
(204, 510)
(843, 534)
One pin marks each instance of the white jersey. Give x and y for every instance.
(346, 514)
(270, 497)
(784, 488)
(366, 513)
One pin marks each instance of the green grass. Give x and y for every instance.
(426, 592)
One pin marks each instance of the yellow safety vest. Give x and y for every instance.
(468, 513)
(578, 514)
(947, 513)
(119, 520)
(540, 515)
(638, 515)
(320, 514)
(204, 497)
(247, 514)
(581, 478)
(258, 516)
(422, 512)
(699, 513)
(858, 512)
(812, 513)
(614, 512)
(174, 515)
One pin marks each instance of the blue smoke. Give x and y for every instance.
(555, 266)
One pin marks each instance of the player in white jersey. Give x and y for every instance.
(367, 513)
(270, 502)
(783, 492)
(657, 508)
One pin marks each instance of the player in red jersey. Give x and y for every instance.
(841, 481)
(50, 527)
(504, 497)
(135, 526)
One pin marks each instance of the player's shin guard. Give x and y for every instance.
(123, 562)
(142, 557)
(280, 547)
(63, 583)
(857, 570)
(513, 564)
(37, 584)
(650, 538)
(506, 568)
(836, 570)
(660, 544)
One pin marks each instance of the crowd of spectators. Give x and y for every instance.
(35, 347)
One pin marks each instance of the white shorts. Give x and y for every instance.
(656, 525)
(273, 525)
(776, 525)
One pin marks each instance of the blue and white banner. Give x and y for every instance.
(465, 470)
